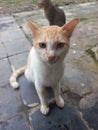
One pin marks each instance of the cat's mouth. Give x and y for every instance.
(53, 61)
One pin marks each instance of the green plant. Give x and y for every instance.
(9, 1)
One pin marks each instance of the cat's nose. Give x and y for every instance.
(51, 57)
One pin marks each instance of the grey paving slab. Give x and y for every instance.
(58, 119)
(71, 98)
(3, 53)
(85, 10)
(29, 94)
(91, 116)
(6, 19)
(76, 80)
(18, 122)
(5, 72)
(18, 60)
(10, 102)
(8, 25)
(17, 46)
(11, 35)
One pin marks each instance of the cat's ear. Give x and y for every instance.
(34, 27)
(69, 27)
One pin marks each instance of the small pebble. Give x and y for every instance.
(74, 44)
(24, 102)
(82, 84)
(74, 52)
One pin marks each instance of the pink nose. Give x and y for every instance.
(51, 57)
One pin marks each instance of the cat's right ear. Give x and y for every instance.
(33, 27)
(69, 27)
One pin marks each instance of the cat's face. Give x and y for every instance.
(52, 42)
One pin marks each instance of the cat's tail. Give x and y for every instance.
(15, 75)
(44, 3)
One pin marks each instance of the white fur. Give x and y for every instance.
(44, 74)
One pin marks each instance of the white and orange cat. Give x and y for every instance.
(45, 66)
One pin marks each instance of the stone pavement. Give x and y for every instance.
(19, 109)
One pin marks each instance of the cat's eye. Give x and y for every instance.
(60, 45)
(42, 45)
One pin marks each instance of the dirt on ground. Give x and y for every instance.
(15, 6)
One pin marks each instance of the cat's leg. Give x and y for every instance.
(58, 99)
(44, 108)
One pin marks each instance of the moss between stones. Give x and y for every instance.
(92, 54)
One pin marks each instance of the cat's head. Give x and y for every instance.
(52, 42)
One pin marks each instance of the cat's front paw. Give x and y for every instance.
(60, 102)
(44, 109)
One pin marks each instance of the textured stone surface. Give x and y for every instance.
(6, 19)
(17, 46)
(28, 92)
(89, 100)
(18, 60)
(18, 122)
(5, 72)
(10, 35)
(71, 98)
(10, 103)
(58, 119)
(95, 51)
(76, 81)
(91, 116)
(3, 53)
(8, 24)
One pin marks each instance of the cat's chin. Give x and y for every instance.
(52, 62)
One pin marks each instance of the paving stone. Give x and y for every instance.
(29, 94)
(5, 72)
(3, 53)
(89, 100)
(6, 19)
(17, 46)
(58, 119)
(10, 35)
(10, 102)
(85, 39)
(76, 81)
(8, 25)
(18, 122)
(71, 98)
(91, 116)
(18, 60)
(95, 52)
(74, 54)
(85, 10)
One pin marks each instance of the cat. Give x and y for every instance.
(54, 14)
(45, 65)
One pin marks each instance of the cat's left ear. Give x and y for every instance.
(34, 27)
(69, 27)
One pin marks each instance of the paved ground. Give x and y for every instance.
(19, 109)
